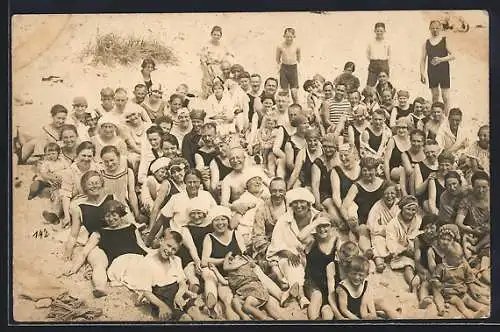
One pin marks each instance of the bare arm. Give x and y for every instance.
(76, 223)
(387, 157)
(278, 141)
(278, 55)
(432, 196)
(423, 59)
(325, 113)
(132, 195)
(348, 201)
(165, 188)
(298, 54)
(335, 184)
(342, 296)
(330, 274)
(296, 169)
(225, 194)
(214, 175)
(315, 180)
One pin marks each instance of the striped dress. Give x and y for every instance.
(117, 184)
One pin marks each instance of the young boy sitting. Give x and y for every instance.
(250, 293)
(451, 283)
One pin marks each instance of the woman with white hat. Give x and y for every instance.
(107, 134)
(216, 246)
(151, 187)
(291, 236)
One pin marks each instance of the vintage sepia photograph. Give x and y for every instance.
(250, 166)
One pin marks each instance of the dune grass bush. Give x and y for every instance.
(111, 49)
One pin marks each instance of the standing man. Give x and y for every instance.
(436, 51)
(287, 58)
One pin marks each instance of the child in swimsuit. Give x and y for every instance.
(250, 293)
(354, 298)
(452, 281)
(287, 58)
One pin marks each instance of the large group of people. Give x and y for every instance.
(236, 204)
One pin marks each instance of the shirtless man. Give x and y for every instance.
(282, 103)
(234, 184)
(287, 58)
(436, 52)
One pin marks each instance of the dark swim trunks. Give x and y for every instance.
(289, 77)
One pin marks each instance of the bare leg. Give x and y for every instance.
(295, 96)
(445, 93)
(272, 308)
(459, 304)
(280, 168)
(435, 94)
(271, 286)
(195, 314)
(192, 279)
(391, 312)
(411, 278)
(210, 287)
(313, 310)
(27, 150)
(423, 295)
(327, 312)
(472, 304)
(226, 296)
(364, 238)
(271, 162)
(251, 307)
(99, 262)
(439, 300)
(238, 308)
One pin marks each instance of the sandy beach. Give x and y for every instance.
(327, 40)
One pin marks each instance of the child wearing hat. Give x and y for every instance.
(452, 281)
(255, 194)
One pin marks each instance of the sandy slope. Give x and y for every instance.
(328, 41)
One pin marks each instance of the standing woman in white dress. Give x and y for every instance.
(211, 57)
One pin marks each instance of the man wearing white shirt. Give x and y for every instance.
(451, 136)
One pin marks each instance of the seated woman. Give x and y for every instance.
(174, 213)
(400, 236)
(169, 187)
(151, 187)
(120, 181)
(451, 197)
(436, 186)
(365, 192)
(220, 166)
(375, 137)
(193, 234)
(321, 184)
(133, 133)
(342, 177)
(153, 103)
(382, 212)
(397, 145)
(296, 143)
(287, 249)
(357, 126)
(301, 173)
(49, 134)
(319, 269)
(382, 85)
(70, 140)
(117, 246)
(216, 246)
(71, 189)
(220, 109)
(107, 129)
